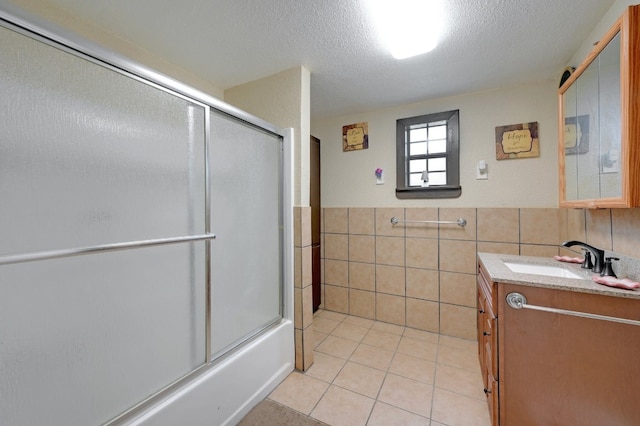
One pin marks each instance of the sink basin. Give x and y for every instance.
(548, 270)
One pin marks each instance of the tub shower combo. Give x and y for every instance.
(145, 241)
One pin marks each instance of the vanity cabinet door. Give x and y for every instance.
(490, 368)
(488, 342)
(492, 400)
(480, 324)
(599, 122)
(559, 369)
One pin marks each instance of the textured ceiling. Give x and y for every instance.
(486, 44)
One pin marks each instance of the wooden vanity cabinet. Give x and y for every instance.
(488, 341)
(548, 368)
(559, 369)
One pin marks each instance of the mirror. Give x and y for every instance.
(610, 120)
(591, 111)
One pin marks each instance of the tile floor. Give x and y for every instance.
(367, 372)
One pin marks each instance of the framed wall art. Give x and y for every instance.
(517, 141)
(355, 137)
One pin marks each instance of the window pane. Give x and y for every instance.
(437, 178)
(418, 134)
(440, 162)
(438, 146)
(438, 132)
(417, 166)
(418, 148)
(415, 179)
(437, 164)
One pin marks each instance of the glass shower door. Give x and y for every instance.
(246, 216)
(91, 156)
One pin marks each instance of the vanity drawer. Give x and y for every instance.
(491, 347)
(480, 327)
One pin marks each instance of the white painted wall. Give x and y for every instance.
(282, 99)
(112, 42)
(607, 21)
(348, 178)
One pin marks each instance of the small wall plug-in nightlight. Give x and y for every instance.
(482, 170)
(425, 178)
(379, 176)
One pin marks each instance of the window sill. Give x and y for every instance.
(429, 192)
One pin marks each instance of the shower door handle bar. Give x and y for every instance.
(56, 254)
(460, 222)
(519, 301)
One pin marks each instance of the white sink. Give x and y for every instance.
(548, 270)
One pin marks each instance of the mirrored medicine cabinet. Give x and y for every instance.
(599, 122)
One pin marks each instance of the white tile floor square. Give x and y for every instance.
(370, 373)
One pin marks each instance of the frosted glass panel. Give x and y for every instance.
(84, 338)
(245, 216)
(90, 156)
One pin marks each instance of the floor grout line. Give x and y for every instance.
(415, 339)
(433, 389)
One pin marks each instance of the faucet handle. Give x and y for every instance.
(607, 271)
(588, 263)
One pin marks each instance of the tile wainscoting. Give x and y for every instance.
(303, 291)
(424, 275)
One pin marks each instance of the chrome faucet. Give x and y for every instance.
(598, 254)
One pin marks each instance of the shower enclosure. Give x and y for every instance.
(145, 234)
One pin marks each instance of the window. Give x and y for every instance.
(427, 156)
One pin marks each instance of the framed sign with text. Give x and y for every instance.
(517, 141)
(355, 137)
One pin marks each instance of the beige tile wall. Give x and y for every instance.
(303, 295)
(617, 230)
(424, 275)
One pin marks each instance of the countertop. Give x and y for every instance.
(498, 271)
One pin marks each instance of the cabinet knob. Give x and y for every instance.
(481, 311)
(487, 391)
(486, 334)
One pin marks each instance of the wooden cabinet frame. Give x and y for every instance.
(488, 341)
(628, 26)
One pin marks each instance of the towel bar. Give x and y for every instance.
(519, 301)
(460, 222)
(56, 254)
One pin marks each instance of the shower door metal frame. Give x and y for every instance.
(16, 19)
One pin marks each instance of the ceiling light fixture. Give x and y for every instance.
(407, 27)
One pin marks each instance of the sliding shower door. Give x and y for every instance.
(90, 156)
(246, 216)
(114, 293)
